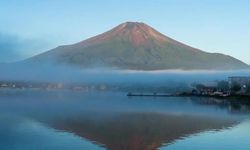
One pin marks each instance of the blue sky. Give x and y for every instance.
(29, 27)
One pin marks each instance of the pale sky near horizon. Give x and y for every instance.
(29, 27)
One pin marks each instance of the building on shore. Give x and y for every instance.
(205, 89)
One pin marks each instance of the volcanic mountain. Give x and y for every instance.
(137, 46)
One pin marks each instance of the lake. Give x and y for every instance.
(68, 120)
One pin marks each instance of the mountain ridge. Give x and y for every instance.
(137, 46)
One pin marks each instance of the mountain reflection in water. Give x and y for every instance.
(72, 120)
(139, 131)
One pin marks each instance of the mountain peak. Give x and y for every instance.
(131, 25)
(135, 45)
(138, 33)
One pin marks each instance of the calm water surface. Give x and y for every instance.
(67, 120)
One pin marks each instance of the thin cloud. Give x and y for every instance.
(9, 46)
(14, 48)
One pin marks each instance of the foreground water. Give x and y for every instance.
(67, 120)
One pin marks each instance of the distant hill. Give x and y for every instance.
(137, 46)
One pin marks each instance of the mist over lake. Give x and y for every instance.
(108, 119)
(124, 75)
(65, 73)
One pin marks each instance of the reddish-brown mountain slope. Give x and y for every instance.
(134, 45)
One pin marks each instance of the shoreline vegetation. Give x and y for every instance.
(237, 87)
(185, 94)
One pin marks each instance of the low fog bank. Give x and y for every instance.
(177, 79)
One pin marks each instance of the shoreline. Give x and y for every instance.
(240, 97)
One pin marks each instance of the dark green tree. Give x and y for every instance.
(200, 86)
(248, 88)
(235, 87)
(223, 85)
